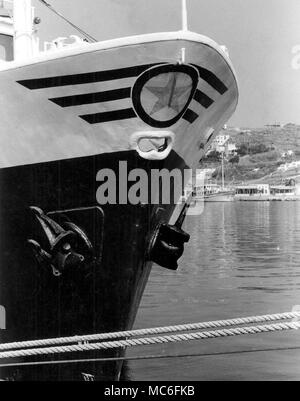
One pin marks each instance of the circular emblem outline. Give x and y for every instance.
(151, 73)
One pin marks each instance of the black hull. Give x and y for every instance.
(101, 295)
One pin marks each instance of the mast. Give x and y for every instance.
(184, 15)
(25, 42)
(222, 171)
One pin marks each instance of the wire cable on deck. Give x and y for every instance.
(151, 340)
(151, 331)
(87, 35)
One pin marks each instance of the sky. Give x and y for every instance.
(259, 34)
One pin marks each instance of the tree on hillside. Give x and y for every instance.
(212, 156)
(251, 149)
(234, 159)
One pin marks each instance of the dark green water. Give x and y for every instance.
(243, 259)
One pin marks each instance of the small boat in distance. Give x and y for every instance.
(217, 193)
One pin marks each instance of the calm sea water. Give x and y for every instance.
(243, 259)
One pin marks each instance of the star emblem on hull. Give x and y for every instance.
(162, 94)
(171, 95)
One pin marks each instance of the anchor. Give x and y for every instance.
(63, 241)
(167, 244)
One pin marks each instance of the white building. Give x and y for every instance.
(230, 148)
(218, 144)
(289, 166)
(223, 143)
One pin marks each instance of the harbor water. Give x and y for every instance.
(243, 259)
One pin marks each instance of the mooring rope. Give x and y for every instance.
(151, 331)
(148, 357)
(152, 340)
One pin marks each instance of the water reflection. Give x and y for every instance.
(243, 258)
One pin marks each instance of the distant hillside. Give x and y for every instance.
(281, 138)
(282, 145)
